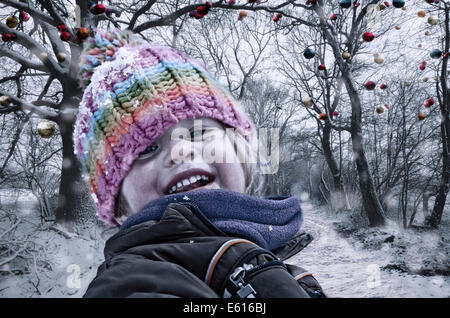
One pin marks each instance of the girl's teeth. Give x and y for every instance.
(186, 182)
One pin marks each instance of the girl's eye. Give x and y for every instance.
(195, 133)
(149, 150)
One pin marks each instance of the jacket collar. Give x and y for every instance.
(269, 222)
(181, 220)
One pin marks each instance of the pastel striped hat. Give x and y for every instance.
(133, 92)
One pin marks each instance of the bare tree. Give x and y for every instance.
(443, 96)
(34, 45)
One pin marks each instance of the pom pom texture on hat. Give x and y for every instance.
(131, 98)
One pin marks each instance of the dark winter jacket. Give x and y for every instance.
(183, 254)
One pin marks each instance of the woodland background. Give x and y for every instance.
(373, 158)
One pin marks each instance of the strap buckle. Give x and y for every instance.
(244, 290)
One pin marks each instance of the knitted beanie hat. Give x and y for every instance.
(133, 92)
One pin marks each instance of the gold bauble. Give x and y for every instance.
(379, 110)
(43, 56)
(5, 100)
(12, 22)
(46, 129)
(378, 58)
(61, 57)
(346, 55)
(433, 20)
(308, 102)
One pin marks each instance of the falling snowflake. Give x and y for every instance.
(270, 228)
(185, 197)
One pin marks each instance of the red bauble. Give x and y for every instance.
(333, 17)
(430, 101)
(383, 86)
(423, 65)
(368, 36)
(322, 67)
(62, 28)
(23, 16)
(387, 4)
(357, 4)
(370, 85)
(99, 8)
(6, 37)
(202, 10)
(64, 36)
(387, 106)
(335, 113)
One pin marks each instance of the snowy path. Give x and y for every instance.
(344, 271)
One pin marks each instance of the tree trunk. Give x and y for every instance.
(371, 203)
(425, 198)
(337, 196)
(74, 199)
(435, 218)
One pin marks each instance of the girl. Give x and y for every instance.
(170, 157)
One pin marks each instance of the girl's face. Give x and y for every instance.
(174, 164)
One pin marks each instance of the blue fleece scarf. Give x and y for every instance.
(270, 222)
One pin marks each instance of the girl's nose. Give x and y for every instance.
(181, 151)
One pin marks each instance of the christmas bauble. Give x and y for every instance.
(378, 58)
(345, 4)
(12, 21)
(309, 53)
(433, 20)
(23, 16)
(61, 57)
(308, 102)
(370, 85)
(64, 36)
(421, 13)
(5, 100)
(398, 3)
(368, 36)
(46, 129)
(242, 15)
(83, 33)
(435, 54)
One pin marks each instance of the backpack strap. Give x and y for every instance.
(224, 261)
(306, 281)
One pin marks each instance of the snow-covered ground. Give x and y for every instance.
(51, 265)
(344, 269)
